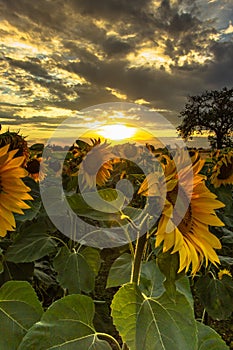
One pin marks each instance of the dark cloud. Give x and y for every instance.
(114, 46)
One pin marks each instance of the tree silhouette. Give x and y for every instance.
(211, 112)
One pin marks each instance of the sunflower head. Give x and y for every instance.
(223, 170)
(13, 191)
(35, 169)
(223, 272)
(15, 141)
(96, 166)
(188, 212)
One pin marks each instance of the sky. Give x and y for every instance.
(59, 58)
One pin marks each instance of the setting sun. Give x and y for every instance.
(117, 131)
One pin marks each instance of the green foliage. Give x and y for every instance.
(208, 339)
(73, 271)
(120, 271)
(19, 310)
(155, 313)
(153, 323)
(216, 295)
(31, 244)
(67, 325)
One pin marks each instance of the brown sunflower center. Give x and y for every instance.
(226, 170)
(181, 205)
(33, 166)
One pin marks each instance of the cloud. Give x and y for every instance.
(69, 55)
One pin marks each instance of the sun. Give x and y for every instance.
(117, 132)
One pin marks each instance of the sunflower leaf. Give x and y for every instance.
(32, 244)
(120, 271)
(82, 277)
(67, 324)
(19, 310)
(216, 296)
(209, 339)
(153, 323)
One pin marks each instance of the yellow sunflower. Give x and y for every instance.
(191, 237)
(223, 170)
(96, 166)
(13, 191)
(223, 272)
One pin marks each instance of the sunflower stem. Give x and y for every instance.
(136, 268)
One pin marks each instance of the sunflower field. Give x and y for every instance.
(115, 247)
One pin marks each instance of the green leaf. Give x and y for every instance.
(32, 244)
(183, 286)
(66, 325)
(226, 260)
(19, 310)
(151, 279)
(227, 235)
(153, 323)
(82, 208)
(169, 265)
(216, 296)
(92, 257)
(120, 271)
(73, 271)
(208, 339)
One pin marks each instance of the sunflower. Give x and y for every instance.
(129, 151)
(223, 272)
(96, 166)
(36, 169)
(13, 191)
(223, 170)
(187, 232)
(16, 141)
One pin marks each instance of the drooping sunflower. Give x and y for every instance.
(96, 166)
(129, 151)
(184, 228)
(16, 141)
(223, 170)
(36, 169)
(13, 191)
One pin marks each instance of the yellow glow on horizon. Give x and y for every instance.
(117, 132)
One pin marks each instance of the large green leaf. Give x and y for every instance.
(151, 279)
(31, 244)
(73, 271)
(92, 257)
(216, 296)
(208, 339)
(153, 323)
(19, 310)
(120, 271)
(66, 325)
(152, 282)
(83, 209)
(169, 265)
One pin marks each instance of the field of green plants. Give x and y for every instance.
(153, 272)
